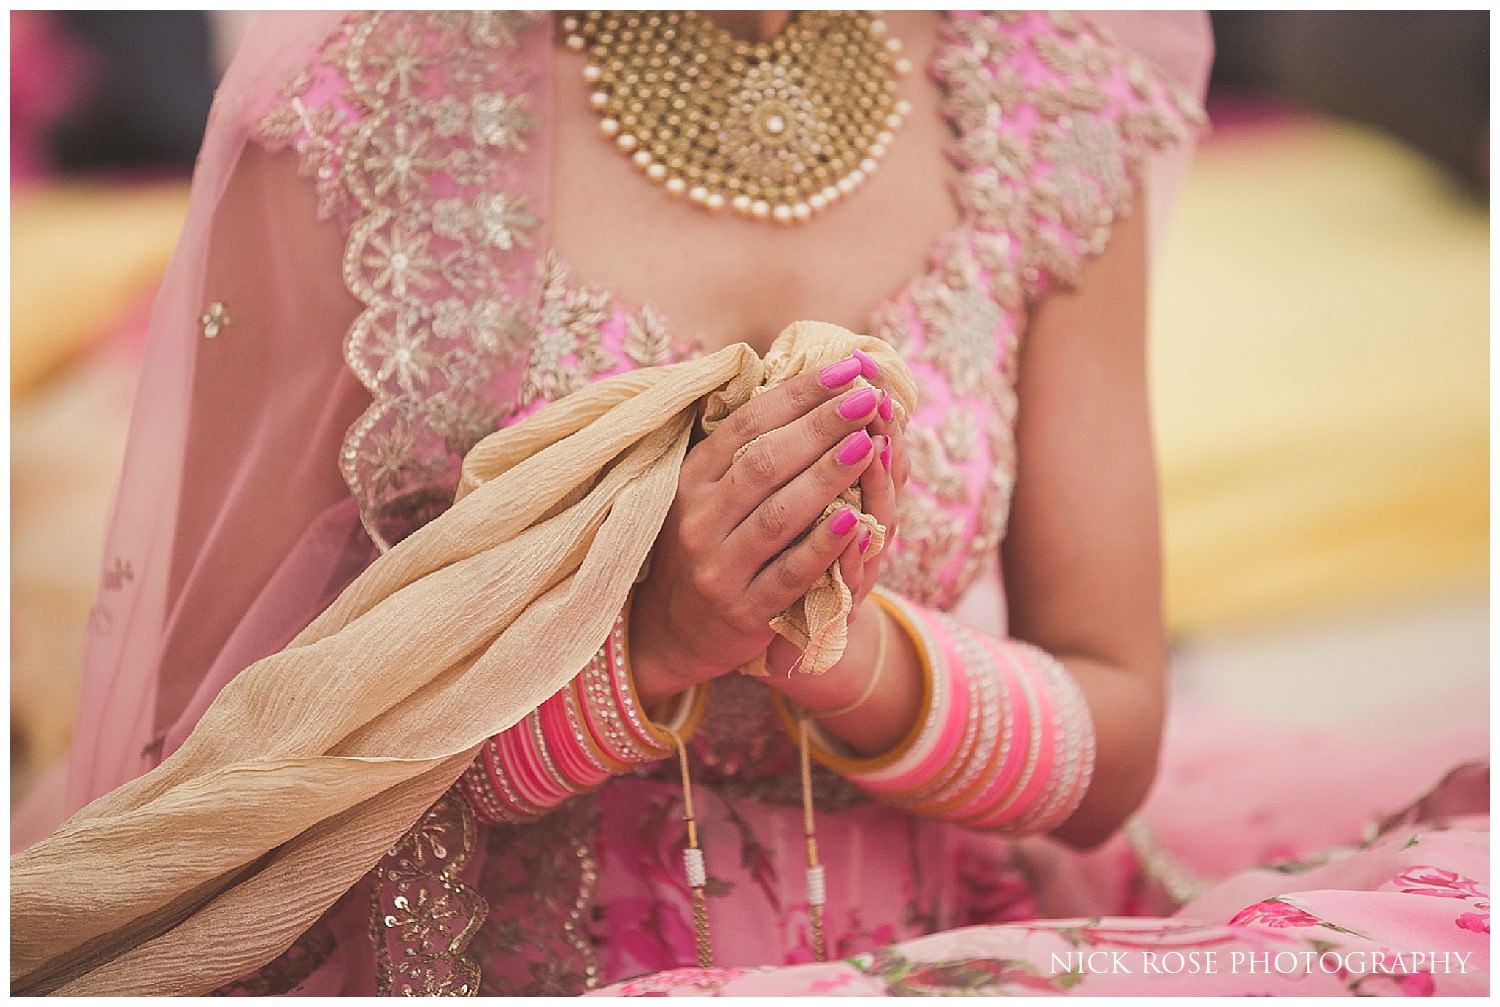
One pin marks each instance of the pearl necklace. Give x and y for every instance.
(776, 130)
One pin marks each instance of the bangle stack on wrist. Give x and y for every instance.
(590, 730)
(1004, 741)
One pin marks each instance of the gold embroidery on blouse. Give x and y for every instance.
(422, 916)
(961, 322)
(647, 341)
(569, 349)
(413, 152)
(932, 466)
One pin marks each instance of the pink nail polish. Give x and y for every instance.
(885, 456)
(864, 543)
(855, 447)
(841, 373)
(843, 521)
(857, 404)
(867, 365)
(887, 409)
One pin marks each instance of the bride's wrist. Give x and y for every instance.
(659, 677)
(850, 682)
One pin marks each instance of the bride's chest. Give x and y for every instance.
(723, 278)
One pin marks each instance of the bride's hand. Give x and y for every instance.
(881, 487)
(725, 563)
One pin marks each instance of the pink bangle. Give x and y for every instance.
(1005, 740)
(501, 784)
(577, 763)
(942, 731)
(624, 691)
(525, 778)
(1010, 757)
(985, 777)
(1075, 745)
(1040, 736)
(483, 797)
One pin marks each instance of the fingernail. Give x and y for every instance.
(867, 365)
(864, 543)
(843, 521)
(857, 404)
(885, 456)
(887, 410)
(855, 447)
(841, 373)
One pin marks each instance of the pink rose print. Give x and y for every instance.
(1438, 882)
(1416, 984)
(1479, 923)
(1275, 913)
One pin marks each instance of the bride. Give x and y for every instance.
(412, 229)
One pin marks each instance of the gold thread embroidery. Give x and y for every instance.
(435, 237)
(422, 916)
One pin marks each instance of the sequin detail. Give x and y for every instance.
(215, 320)
(422, 915)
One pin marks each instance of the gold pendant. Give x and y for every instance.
(776, 130)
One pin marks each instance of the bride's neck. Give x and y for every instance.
(750, 25)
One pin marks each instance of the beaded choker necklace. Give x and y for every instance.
(777, 130)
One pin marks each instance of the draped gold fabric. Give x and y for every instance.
(313, 761)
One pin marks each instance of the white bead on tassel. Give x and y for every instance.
(697, 873)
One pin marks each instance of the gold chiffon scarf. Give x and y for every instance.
(315, 760)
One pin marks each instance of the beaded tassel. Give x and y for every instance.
(817, 892)
(692, 861)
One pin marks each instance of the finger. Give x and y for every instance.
(789, 511)
(885, 425)
(789, 575)
(852, 561)
(778, 457)
(775, 407)
(877, 492)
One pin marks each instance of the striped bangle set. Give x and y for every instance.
(588, 731)
(1004, 741)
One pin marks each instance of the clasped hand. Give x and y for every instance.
(732, 552)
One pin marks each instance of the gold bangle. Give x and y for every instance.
(874, 675)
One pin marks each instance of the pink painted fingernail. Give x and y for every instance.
(885, 456)
(857, 404)
(887, 410)
(864, 543)
(855, 447)
(843, 521)
(841, 373)
(867, 365)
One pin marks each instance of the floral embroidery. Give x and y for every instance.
(421, 178)
(422, 916)
(540, 881)
(647, 342)
(569, 350)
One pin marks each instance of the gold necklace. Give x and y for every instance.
(776, 130)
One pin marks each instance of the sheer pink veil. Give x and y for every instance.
(235, 521)
(233, 524)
